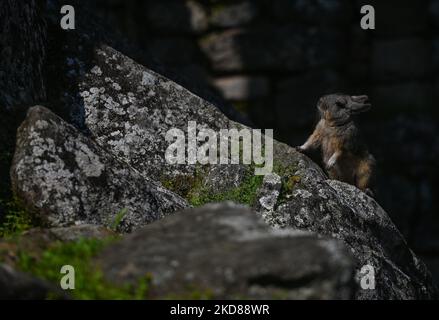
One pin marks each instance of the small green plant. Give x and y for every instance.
(289, 180)
(245, 193)
(90, 283)
(17, 219)
(183, 184)
(118, 219)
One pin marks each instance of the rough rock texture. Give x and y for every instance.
(65, 178)
(268, 193)
(128, 110)
(18, 286)
(226, 252)
(85, 231)
(339, 210)
(22, 52)
(396, 65)
(72, 55)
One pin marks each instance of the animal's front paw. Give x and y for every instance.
(331, 163)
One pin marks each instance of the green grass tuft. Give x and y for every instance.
(89, 279)
(118, 219)
(245, 193)
(289, 180)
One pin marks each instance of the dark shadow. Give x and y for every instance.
(300, 53)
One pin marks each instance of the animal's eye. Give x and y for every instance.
(340, 104)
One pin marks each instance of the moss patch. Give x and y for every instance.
(289, 180)
(245, 193)
(114, 225)
(89, 279)
(194, 190)
(183, 184)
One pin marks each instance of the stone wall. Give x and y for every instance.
(273, 59)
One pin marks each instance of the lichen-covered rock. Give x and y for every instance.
(129, 109)
(269, 192)
(226, 252)
(75, 233)
(72, 56)
(335, 209)
(65, 178)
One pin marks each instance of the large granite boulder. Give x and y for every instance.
(66, 178)
(125, 110)
(226, 252)
(128, 110)
(339, 210)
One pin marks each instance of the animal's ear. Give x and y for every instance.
(321, 105)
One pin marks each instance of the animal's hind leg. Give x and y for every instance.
(364, 176)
